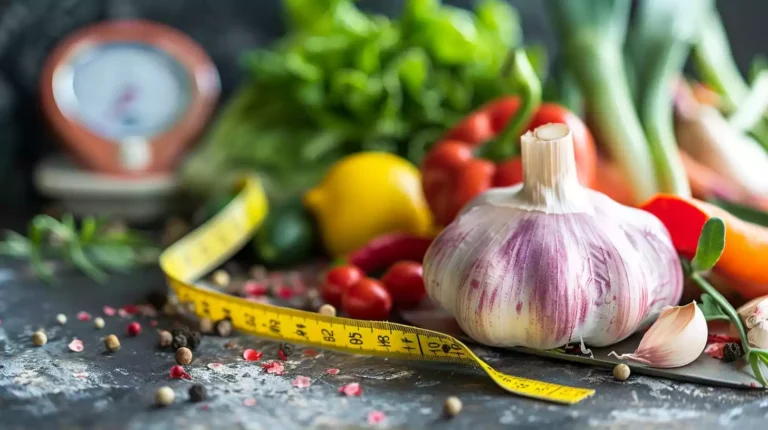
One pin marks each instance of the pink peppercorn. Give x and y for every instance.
(133, 329)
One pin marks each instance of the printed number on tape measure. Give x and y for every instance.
(214, 242)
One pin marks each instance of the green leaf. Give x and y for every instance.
(413, 70)
(711, 309)
(452, 36)
(711, 245)
(501, 20)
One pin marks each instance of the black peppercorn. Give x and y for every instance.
(197, 393)
(286, 348)
(732, 352)
(179, 341)
(193, 340)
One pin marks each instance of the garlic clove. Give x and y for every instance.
(758, 335)
(754, 311)
(676, 339)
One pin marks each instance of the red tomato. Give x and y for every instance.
(405, 282)
(367, 300)
(337, 281)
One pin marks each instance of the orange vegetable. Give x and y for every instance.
(745, 258)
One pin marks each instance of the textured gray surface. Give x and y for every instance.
(46, 388)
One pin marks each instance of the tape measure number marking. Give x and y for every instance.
(214, 242)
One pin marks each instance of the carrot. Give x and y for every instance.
(745, 257)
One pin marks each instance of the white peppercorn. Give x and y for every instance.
(98, 322)
(39, 338)
(206, 325)
(221, 278)
(61, 319)
(164, 338)
(327, 310)
(452, 406)
(165, 396)
(621, 372)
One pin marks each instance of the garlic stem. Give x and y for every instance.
(550, 180)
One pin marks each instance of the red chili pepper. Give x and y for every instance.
(384, 251)
(465, 163)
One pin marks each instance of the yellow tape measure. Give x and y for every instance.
(217, 240)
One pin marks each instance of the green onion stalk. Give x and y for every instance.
(715, 64)
(592, 35)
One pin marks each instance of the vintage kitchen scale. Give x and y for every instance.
(124, 99)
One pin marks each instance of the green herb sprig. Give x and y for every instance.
(713, 304)
(94, 249)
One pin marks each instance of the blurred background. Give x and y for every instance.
(227, 30)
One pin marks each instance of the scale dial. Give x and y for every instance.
(128, 96)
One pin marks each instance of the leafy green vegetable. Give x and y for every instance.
(343, 81)
(96, 247)
(710, 246)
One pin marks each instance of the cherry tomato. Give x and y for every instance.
(337, 281)
(405, 282)
(367, 300)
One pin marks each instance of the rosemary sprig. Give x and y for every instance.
(714, 305)
(94, 248)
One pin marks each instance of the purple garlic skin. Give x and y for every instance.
(515, 277)
(549, 262)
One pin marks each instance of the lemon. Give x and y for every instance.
(365, 195)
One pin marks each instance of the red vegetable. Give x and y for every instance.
(367, 300)
(405, 282)
(386, 250)
(453, 174)
(337, 281)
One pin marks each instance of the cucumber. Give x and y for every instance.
(288, 235)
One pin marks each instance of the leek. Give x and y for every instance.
(592, 35)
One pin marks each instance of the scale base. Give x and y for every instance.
(81, 192)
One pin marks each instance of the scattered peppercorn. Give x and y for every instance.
(164, 338)
(98, 322)
(221, 278)
(165, 396)
(183, 356)
(193, 340)
(61, 319)
(112, 343)
(732, 351)
(224, 327)
(452, 406)
(206, 325)
(285, 351)
(327, 310)
(197, 393)
(621, 372)
(232, 344)
(170, 309)
(133, 329)
(39, 338)
(179, 341)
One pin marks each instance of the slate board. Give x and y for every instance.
(705, 370)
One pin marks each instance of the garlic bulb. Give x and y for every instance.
(754, 315)
(676, 339)
(547, 262)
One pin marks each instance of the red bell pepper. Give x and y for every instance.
(468, 161)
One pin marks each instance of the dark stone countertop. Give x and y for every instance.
(51, 387)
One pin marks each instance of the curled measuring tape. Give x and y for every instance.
(217, 240)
